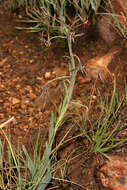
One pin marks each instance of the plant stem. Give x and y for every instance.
(73, 74)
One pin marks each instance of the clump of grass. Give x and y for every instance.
(55, 18)
(103, 134)
(19, 171)
(120, 27)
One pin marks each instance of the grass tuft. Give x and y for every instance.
(103, 134)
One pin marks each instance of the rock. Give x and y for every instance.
(48, 75)
(114, 173)
(97, 67)
(120, 7)
(106, 31)
(104, 25)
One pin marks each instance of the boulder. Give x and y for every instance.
(105, 23)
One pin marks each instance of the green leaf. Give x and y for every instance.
(45, 180)
(30, 163)
(95, 4)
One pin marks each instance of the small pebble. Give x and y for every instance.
(47, 75)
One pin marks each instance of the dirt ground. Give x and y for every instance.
(25, 66)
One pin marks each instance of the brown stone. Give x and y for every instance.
(106, 31)
(104, 25)
(97, 67)
(114, 173)
(120, 7)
